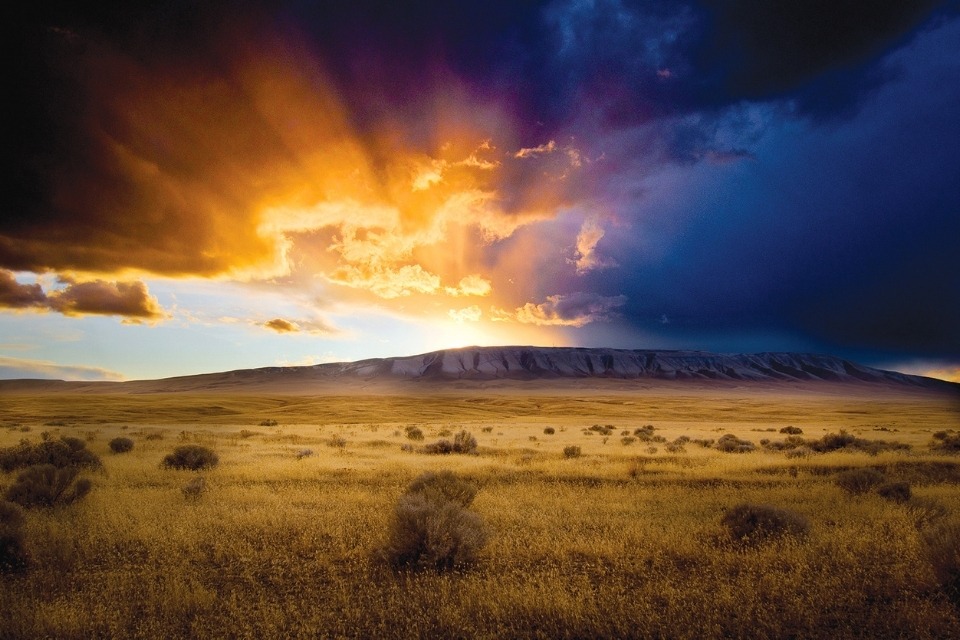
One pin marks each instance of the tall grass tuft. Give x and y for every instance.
(943, 551)
(895, 491)
(859, 481)
(13, 553)
(754, 523)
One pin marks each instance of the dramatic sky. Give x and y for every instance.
(201, 186)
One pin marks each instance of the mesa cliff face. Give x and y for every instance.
(525, 363)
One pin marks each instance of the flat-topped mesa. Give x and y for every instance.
(560, 365)
(526, 363)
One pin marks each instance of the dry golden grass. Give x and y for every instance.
(620, 542)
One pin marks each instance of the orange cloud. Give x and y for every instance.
(281, 325)
(467, 314)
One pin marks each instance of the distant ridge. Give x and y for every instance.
(519, 363)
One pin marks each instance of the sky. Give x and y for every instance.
(206, 186)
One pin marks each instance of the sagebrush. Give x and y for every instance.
(432, 527)
(45, 485)
(191, 456)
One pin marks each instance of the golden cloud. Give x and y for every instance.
(282, 325)
(467, 314)
(254, 169)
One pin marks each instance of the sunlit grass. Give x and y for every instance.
(618, 542)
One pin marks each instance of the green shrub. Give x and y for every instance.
(792, 431)
(859, 481)
(415, 433)
(730, 443)
(895, 491)
(268, 423)
(65, 452)
(571, 451)
(13, 553)
(549, 431)
(191, 456)
(121, 445)
(754, 523)
(432, 531)
(45, 485)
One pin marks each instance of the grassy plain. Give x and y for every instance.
(624, 541)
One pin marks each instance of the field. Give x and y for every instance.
(626, 539)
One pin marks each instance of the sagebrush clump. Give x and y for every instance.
(895, 491)
(859, 481)
(571, 451)
(943, 552)
(946, 442)
(754, 523)
(846, 441)
(463, 442)
(64, 452)
(432, 527)
(730, 443)
(121, 445)
(45, 485)
(192, 457)
(13, 553)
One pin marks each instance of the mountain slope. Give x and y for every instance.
(507, 366)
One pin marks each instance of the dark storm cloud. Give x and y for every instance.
(844, 234)
(14, 295)
(761, 49)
